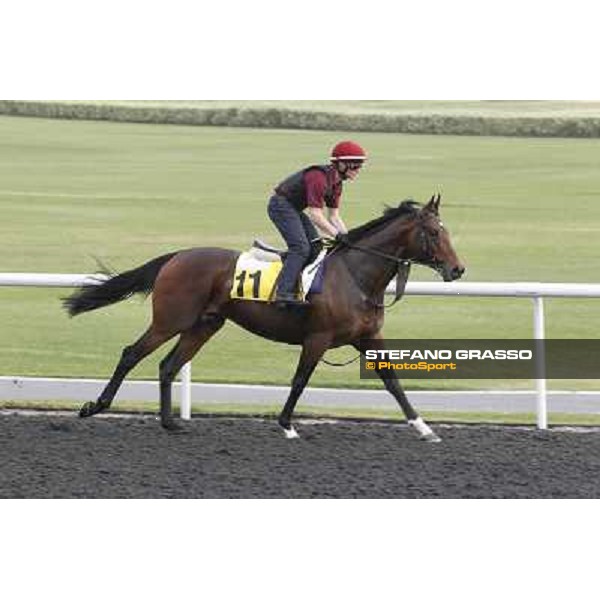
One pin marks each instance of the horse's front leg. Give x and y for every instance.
(313, 349)
(392, 385)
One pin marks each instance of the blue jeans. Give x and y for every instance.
(299, 233)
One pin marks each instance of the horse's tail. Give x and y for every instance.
(116, 288)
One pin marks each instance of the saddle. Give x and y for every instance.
(257, 271)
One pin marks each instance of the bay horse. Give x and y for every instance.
(191, 298)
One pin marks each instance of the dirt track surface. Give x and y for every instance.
(62, 456)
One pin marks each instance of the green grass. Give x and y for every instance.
(518, 209)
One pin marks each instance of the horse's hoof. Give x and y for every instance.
(290, 433)
(88, 409)
(425, 432)
(173, 427)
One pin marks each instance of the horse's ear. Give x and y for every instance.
(434, 204)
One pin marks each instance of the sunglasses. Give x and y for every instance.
(354, 166)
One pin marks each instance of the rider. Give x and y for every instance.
(298, 206)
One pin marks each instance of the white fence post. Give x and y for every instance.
(540, 363)
(185, 397)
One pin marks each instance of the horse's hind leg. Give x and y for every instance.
(188, 345)
(130, 357)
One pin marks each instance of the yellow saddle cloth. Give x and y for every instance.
(256, 274)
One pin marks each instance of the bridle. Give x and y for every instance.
(402, 268)
(402, 264)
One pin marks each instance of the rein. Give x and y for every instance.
(403, 266)
(402, 273)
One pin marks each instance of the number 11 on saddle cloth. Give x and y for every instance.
(256, 275)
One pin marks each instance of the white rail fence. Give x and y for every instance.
(534, 291)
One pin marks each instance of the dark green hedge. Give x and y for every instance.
(296, 119)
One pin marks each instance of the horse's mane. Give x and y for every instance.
(405, 208)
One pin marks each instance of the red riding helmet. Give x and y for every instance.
(348, 151)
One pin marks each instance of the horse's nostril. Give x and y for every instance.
(457, 272)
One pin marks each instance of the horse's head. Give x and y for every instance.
(430, 243)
